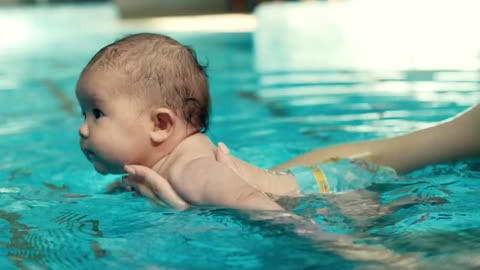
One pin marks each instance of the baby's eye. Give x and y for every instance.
(97, 113)
(84, 115)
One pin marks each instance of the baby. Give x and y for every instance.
(145, 101)
(146, 104)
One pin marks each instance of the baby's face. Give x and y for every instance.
(115, 130)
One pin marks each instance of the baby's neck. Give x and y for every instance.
(191, 147)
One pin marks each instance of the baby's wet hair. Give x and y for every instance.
(163, 72)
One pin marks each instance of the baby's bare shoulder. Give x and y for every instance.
(194, 148)
(191, 180)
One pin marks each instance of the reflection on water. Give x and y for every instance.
(413, 222)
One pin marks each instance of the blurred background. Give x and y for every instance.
(161, 7)
(355, 34)
(391, 66)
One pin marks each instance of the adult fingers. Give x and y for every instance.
(117, 186)
(158, 185)
(144, 190)
(222, 155)
(223, 147)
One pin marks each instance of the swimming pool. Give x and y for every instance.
(53, 214)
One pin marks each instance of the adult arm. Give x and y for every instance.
(456, 138)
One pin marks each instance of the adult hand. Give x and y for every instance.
(222, 155)
(150, 184)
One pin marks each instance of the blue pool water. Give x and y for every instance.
(53, 214)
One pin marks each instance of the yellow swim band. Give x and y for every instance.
(321, 179)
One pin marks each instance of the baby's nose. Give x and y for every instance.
(83, 131)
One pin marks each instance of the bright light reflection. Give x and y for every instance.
(458, 76)
(315, 101)
(391, 128)
(201, 23)
(329, 118)
(7, 84)
(15, 128)
(310, 78)
(14, 33)
(311, 91)
(369, 35)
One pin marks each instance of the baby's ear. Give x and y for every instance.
(163, 122)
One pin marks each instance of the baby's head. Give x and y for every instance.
(136, 91)
(162, 72)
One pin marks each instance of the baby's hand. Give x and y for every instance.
(150, 184)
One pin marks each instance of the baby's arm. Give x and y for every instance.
(208, 182)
